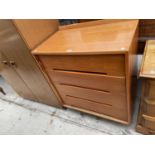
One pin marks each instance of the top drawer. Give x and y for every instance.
(113, 65)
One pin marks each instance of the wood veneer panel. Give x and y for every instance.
(99, 107)
(14, 80)
(90, 80)
(102, 39)
(105, 50)
(105, 64)
(16, 51)
(35, 31)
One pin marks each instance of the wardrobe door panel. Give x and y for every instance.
(25, 65)
(13, 78)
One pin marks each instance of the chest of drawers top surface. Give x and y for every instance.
(148, 62)
(109, 38)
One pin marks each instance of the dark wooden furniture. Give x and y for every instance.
(91, 67)
(18, 66)
(146, 116)
(146, 32)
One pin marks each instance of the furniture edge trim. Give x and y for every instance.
(97, 114)
(92, 23)
(58, 104)
(47, 79)
(143, 75)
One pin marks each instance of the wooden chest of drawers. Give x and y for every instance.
(91, 68)
(146, 116)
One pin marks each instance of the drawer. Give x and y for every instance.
(149, 89)
(105, 64)
(149, 123)
(101, 82)
(149, 107)
(94, 100)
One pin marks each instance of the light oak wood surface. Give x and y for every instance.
(118, 112)
(105, 64)
(102, 82)
(96, 114)
(96, 76)
(104, 38)
(35, 31)
(14, 79)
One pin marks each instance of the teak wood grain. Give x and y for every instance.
(23, 64)
(35, 31)
(91, 67)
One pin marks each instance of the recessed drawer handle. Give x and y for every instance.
(5, 62)
(12, 63)
(76, 71)
(106, 104)
(147, 101)
(148, 118)
(71, 85)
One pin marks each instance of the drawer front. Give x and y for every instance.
(105, 64)
(149, 123)
(109, 84)
(149, 89)
(95, 100)
(149, 107)
(149, 97)
(96, 83)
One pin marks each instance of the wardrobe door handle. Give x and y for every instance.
(12, 63)
(5, 62)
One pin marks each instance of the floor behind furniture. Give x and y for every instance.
(19, 116)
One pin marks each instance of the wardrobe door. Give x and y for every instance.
(25, 65)
(12, 77)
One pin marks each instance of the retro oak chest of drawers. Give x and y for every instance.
(146, 116)
(91, 67)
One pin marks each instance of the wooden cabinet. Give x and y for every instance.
(18, 66)
(14, 79)
(91, 67)
(146, 116)
(146, 32)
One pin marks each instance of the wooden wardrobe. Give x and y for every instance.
(18, 66)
